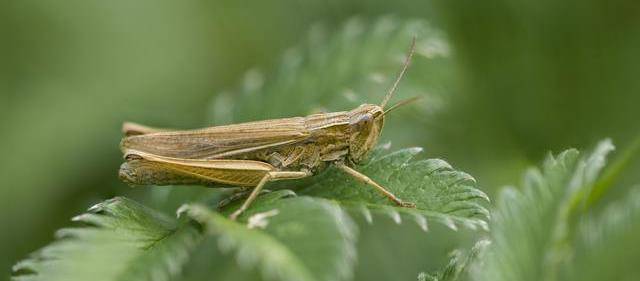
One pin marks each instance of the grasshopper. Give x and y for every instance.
(255, 153)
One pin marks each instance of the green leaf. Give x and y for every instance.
(122, 240)
(302, 238)
(441, 194)
(532, 228)
(458, 265)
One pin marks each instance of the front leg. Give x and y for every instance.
(363, 178)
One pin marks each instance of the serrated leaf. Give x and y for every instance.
(440, 193)
(294, 228)
(531, 229)
(123, 240)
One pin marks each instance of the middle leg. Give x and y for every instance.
(271, 176)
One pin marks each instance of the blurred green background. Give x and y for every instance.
(531, 77)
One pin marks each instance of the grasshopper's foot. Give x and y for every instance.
(235, 214)
(407, 204)
(401, 203)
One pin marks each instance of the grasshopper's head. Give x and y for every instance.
(365, 125)
(366, 121)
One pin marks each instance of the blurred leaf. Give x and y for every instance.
(127, 241)
(605, 247)
(298, 238)
(440, 193)
(355, 65)
(532, 229)
(458, 265)
(613, 172)
(122, 240)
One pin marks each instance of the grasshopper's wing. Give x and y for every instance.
(134, 129)
(144, 168)
(221, 141)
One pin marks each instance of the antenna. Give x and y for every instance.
(404, 69)
(400, 103)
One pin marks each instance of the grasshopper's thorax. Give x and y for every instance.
(365, 125)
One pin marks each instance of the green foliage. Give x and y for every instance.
(539, 233)
(550, 229)
(440, 193)
(283, 249)
(121, 240)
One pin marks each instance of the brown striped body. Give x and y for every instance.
(289, 144)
